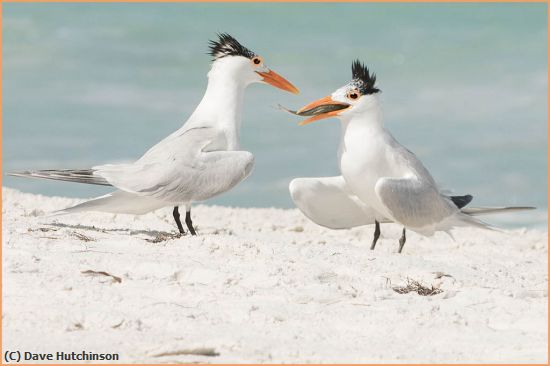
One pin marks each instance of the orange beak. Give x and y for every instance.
(272, 78)
(320, 109)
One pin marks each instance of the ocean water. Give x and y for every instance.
(464, 86)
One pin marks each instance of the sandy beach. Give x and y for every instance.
(265, 285)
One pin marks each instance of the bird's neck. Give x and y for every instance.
(362, 124)
(221, 106)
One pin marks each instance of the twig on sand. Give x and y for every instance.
(176, 304)
(82, 236)
(438, 275)
(201, 351)
(42, 229)
(331, 302)
(415, 286)
(117, 325)
(101, 273)
(163, 237)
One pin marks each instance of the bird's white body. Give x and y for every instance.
(363, 158)
(197, 162)
(381, 180)
(390, 178)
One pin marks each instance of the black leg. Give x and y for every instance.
(402, 241)
(189, 223)
(177, 218)
(376, 234)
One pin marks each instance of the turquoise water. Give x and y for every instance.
(464, 87)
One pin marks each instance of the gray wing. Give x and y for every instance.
(181, 146)
(328, 202)
(180, 168)
(414, 203)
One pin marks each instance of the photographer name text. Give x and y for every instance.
(20, 356)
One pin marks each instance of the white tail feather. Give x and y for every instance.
(116, 202)
(476, 211)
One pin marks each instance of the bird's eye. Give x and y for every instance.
(353, 94)
(256, 60)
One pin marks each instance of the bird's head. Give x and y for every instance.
(358, 96)
(247, 66)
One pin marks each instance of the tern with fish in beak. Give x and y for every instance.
(381, 180)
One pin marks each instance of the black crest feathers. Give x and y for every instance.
(363, 78)
(228, 46)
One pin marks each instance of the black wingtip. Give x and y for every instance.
(462, 201)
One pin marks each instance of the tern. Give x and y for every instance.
(199, 161)
(381, 180)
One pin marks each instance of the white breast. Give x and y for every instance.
(366, 155)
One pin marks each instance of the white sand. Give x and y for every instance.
(266, 285)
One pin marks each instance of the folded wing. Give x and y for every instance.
(416, 204)
(181, 168)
